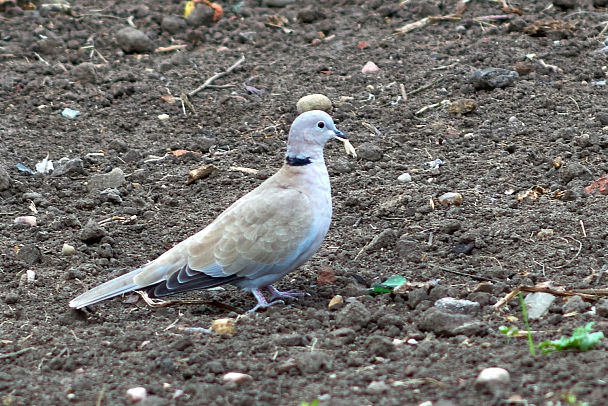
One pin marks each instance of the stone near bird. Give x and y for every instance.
(259, 239)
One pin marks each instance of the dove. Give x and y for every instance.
(269, 232)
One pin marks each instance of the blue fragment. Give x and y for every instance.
(69, 113)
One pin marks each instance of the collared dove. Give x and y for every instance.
(258, 240)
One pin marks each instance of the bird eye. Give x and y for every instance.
(320, 124)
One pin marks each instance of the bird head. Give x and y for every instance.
(308, 135)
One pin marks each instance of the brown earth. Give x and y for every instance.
(51, 355)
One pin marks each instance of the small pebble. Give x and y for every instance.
(314, 102)
(5, 179)
(163, 117)
(68, 250)
(31, 220)
(493, 380)
(237, 377)
(370, 67)
(404, 178)
(224, 326)
(69, 113)
(336, 300)
(377, 387)
(137, 394)
(131, 40)
(450, 198)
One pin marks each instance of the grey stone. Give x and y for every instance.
(118, 145)
(69, 167)
(313, 362)
(458, 306)
(483, 298)
(601, 307)
(131, 40)
(383, 240)
(173, 24)
(30, 254)
(354, 315)
(493, 380)
(290, 340)
(5, 179)
(538, 304)
(377, 387)
(343, 336)
(574, 170)
(445, 323)
(369, 152)
(492, 78)
(85, 73)
(416, 296)
(575, 304)
(114, 179)
(202, 15)
(92, 232)
(111, 195)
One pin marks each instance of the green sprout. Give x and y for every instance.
(313, 403)
(582, 340)
(388, 285)
(510, 331)
(524, 312)
(570, 399)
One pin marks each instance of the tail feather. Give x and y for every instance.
(115, 287)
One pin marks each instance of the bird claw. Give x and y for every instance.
(265, 305)
(277, 294)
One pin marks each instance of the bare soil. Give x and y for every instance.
(545, 129)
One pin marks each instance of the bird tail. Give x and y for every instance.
(114, 287)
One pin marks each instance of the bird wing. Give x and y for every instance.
(262, 234)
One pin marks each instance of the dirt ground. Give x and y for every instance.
(542, 132)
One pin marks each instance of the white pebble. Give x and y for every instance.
(31, 220)
(370, 67)
(31, 276)
(68, 250)
(237, 377)
(493, 379)
(377, 387)
(163, 117)
(404, 178)
(137, 394)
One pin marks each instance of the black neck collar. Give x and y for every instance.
(296, 161)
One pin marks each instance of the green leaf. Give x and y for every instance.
(510, 331)
(582, 340)
(388, 285)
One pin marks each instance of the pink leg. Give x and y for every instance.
(276, 294)
(262, 302)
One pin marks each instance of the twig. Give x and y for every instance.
(422, 88)
(403, 94)
(102, 392)
(170, 48)
(217, 76)
(468, 275)
(16, 353)
(583, 228)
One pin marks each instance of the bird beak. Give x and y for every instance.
(350, 150)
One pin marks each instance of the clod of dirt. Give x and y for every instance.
(5, 179)
(173, 24)
(377, 387)
(313, 362)
(565, 4)
(379, 346)
(383, 240)
(310, 15)
(354, 315)
(290, 340)
(574, 170)
(462, 106)
(30, 254)
(445, 323)
(114, 179)
(601, 307)
(85, 73)
(314, 102)
(277, 3)
(370, 152)
(131, 41)
(492, 78)
(202, 15)
(92, 232)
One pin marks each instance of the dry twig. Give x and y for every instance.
(217, 76)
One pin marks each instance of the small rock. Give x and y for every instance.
(111, 195)
(30, 254)
(310, 15)
(326, 276)
(445, 323)
(354, 315)
(383, 240)
(70, 113)
(202, 15)
(224, 326)
(173, 24)
(277, 3)
(538, 304)
(601, 307)
(483, 298)
(458, 306)
(114, 179)
(314, 102)
(29, 220)
(137, 394)
(574, 170)
(565, 4)
(462, 106)
(131, 40)
(118, 145)
(69, 167)
(92, 232)
(335, 302)
(237, 377)
(404, 178)
(377, 387)
(370, 67)
(492, 78)
(68, 250)
(370, 152)
(450, 199)
(85, 73)
(5, 179)
(575, 304)
(493, 380)
(343, 336)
